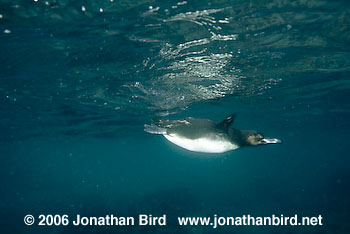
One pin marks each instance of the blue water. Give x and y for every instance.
(79, 79)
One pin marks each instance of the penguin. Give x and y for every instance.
(206, 136)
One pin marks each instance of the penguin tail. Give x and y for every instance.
(153, 129)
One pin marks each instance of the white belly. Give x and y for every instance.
(205, 145)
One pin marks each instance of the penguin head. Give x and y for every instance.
(257, 138)
(254, 138)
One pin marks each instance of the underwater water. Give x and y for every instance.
(79, 79)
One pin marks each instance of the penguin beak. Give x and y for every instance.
(271, 141)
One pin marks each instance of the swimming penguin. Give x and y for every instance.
(204, 135)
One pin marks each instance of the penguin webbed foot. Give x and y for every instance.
(160, 122)
(153, 129)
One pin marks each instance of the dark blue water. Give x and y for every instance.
(79, 79)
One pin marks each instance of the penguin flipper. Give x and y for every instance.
(226, 123)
